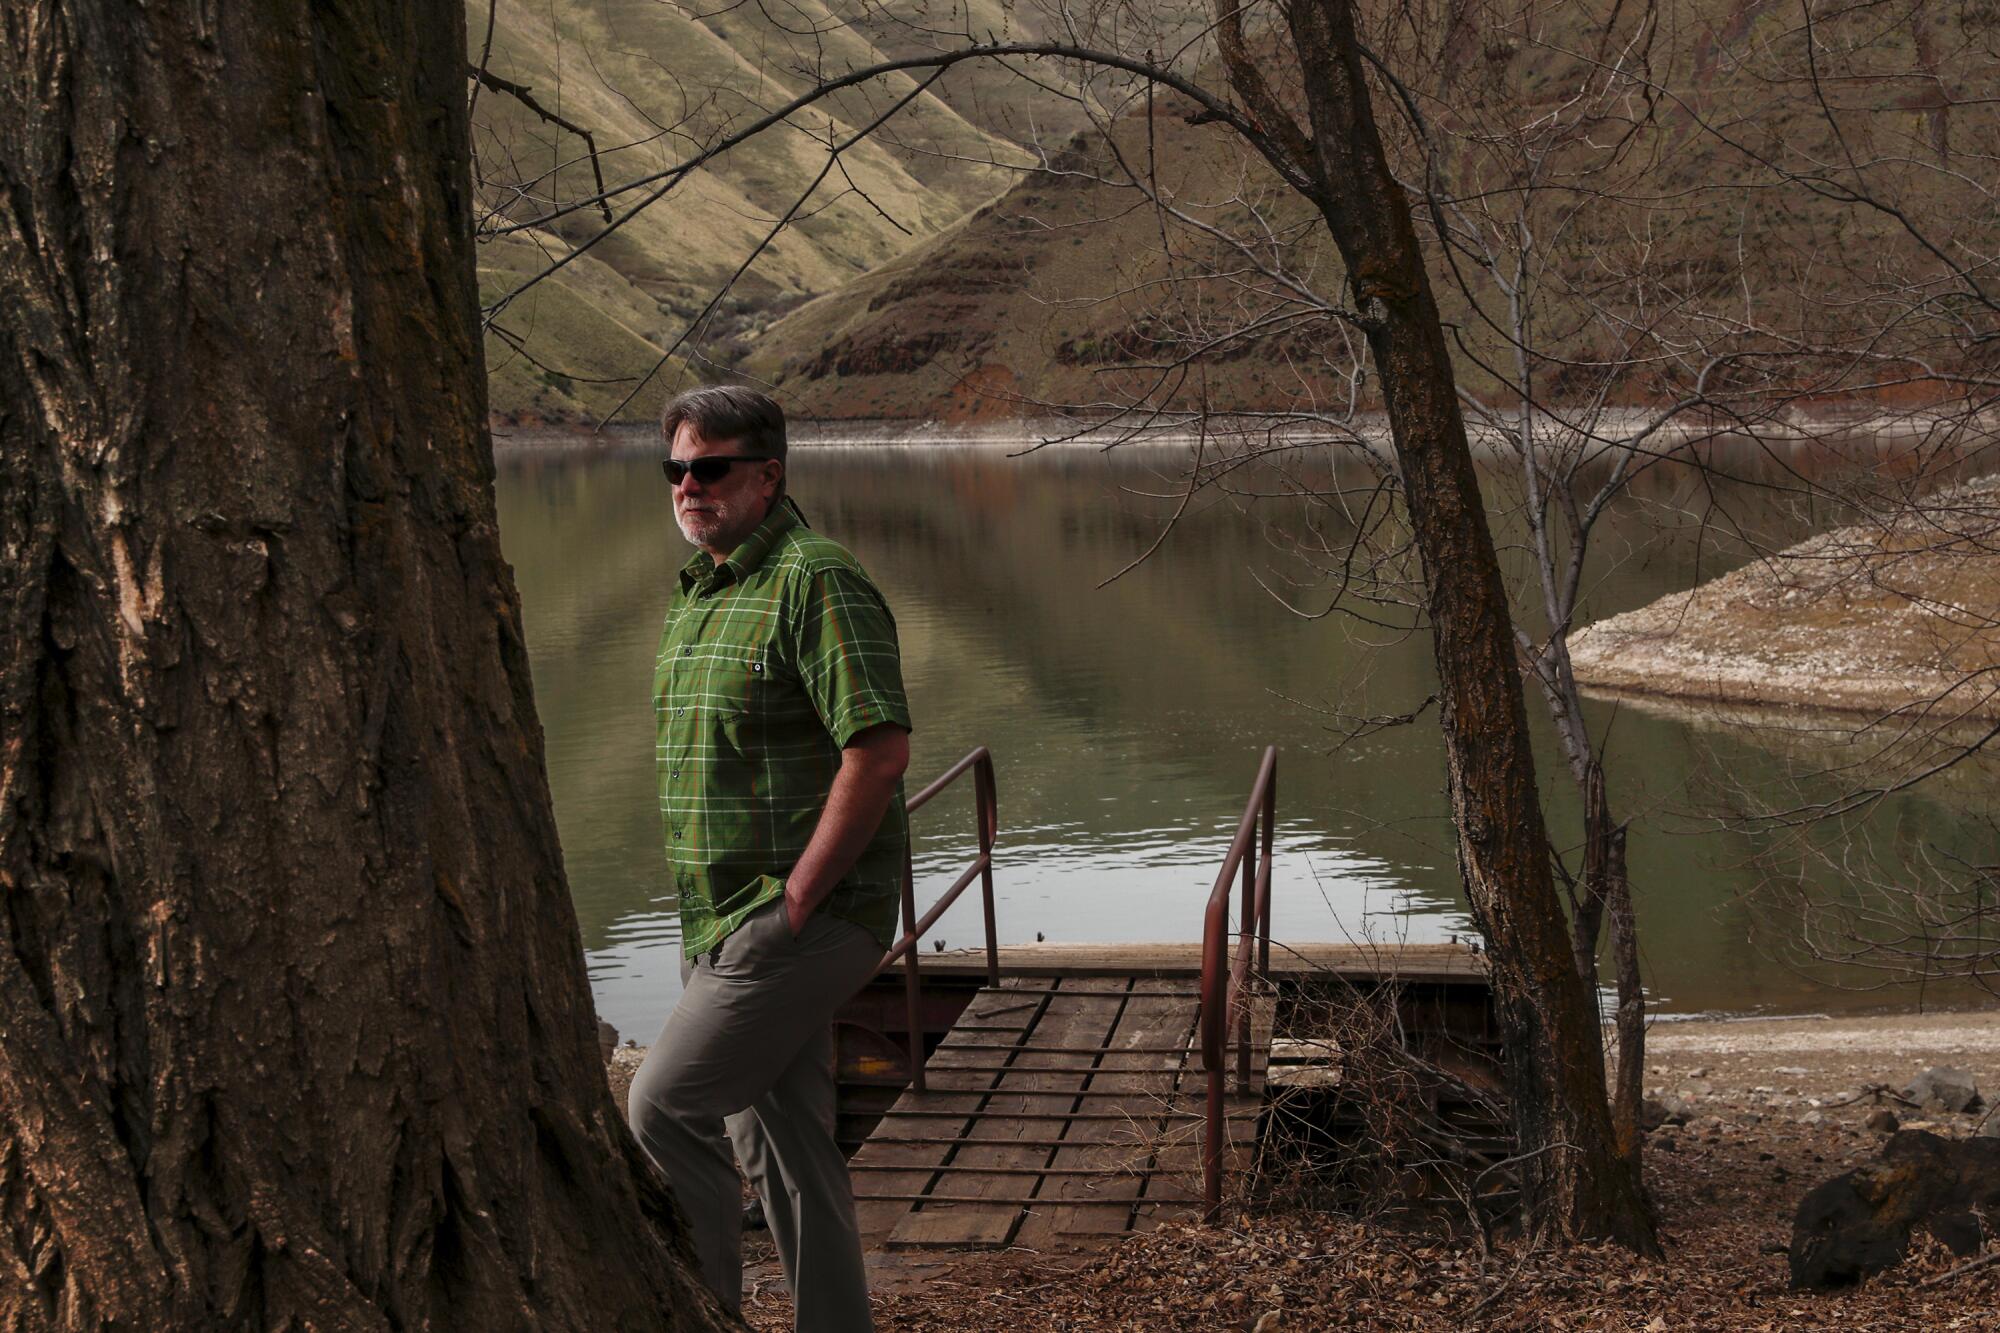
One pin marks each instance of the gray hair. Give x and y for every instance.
(720, 412)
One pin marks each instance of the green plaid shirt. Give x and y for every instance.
(768, 665)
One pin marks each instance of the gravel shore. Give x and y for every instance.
(1820, 1057)
(1864, 619)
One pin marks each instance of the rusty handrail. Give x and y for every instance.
(1223, 993)
(986, 814)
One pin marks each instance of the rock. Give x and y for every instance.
(1656, 1112)
(1883, 1121)
(1859, 1223)
(1710, 1126)
(1304, 1076)
(1791, 1071)
(607, 1038)
(1990, 1127)
(1953, 1089)
(1812, 1118)
(1699, 1071)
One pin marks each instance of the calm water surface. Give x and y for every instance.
(1126, 720)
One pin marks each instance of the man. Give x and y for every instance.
(782, 737)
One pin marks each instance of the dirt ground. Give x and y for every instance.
(1774, 1106)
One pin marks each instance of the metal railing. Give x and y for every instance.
(986, 814)
(1225, 993)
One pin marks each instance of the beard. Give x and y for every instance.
(718, 523)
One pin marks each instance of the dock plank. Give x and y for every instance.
(1173, 1188)
(1140, 1086)
(879, 1191)
(1057, 1106)
(986, 1205)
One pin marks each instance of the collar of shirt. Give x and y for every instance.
(701, 568)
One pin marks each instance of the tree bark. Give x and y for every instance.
(1606, 889)
(294, 1027)
(1628, 1083)
(1575, 1182)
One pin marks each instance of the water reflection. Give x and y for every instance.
(1126, 719)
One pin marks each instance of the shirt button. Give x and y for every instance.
(676, 773)
(677, 834)
(680, 712)
(687, 652)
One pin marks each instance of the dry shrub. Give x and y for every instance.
(1405, 1121)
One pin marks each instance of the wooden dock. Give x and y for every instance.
(1031, 1093)
(1057, 1106)
(1068, 1101)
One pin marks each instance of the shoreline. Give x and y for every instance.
(1822, 1055)
(1814, 707)
(1883, 433)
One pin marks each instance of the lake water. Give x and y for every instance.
(1126, 720)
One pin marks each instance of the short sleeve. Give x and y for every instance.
(847, 655)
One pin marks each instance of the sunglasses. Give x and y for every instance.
(707, 470)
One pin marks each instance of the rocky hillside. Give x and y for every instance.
(1655, 245)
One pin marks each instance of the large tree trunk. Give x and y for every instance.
(294, 1028)
(1575, 1180)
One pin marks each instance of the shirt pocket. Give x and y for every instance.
(736, 684)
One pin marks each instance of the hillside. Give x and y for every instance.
(971, 260)
(1048, 296)
(1649, 257)
(654, 84)
(1864, 619)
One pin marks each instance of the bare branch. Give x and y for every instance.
(482, 76)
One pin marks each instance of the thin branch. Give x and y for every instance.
(1194, 484)
(1217, 108)
(832, 160)
(485, 56)
(520, 93)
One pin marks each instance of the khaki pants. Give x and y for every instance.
(749, 1047)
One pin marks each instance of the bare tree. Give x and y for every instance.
(1613, 330)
